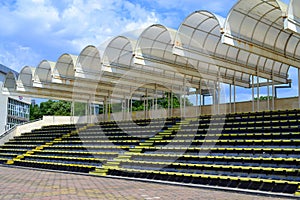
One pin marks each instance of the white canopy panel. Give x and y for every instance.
(257, 26)
(292, 21)
(200, 33)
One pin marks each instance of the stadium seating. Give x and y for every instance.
(257, 151)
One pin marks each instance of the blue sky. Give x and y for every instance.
(33, 30)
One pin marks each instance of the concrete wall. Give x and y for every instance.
(192, 111)
(47, 120)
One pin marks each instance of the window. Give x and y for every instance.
(18, 112)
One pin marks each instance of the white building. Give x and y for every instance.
(14, 109)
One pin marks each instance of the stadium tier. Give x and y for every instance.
(256, 151)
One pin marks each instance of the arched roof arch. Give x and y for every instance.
(26, 76)
(198, 37)
(292, 21)
(65, 67)
(89, 60)
(43, 72)
(119, 52)
(200, 33)
(155, 48)
(10, 81)
(257, 26)
(156, 41)
(119, 57)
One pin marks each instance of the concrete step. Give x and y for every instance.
(10, 162)
(146, 144)
(98, 173)
(136, 150)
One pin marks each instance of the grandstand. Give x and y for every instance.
(251, 146)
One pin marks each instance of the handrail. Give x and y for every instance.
(8, 131)
(15, 126)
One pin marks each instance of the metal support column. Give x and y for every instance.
(105, 108)
(298, 88)
(252, 93)
(268, 94)
(200, 93)
(196, 106)
(273, 93)
(147, 104)
(214, 98)
(172, 102)
(169, 104)
(109, 106)
(230, 98)
(127, 109)
(218, 91)
(258, 96)
(184, 96)
(234, 96)
(219, 95)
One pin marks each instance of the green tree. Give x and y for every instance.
(35, 112)
(50, 107)
(63, 108)
(138, 105)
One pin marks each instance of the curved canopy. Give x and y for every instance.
(25, 76)
(292, 22)
(200, 35)
(257, 26)
(65, 67)
(120, 58)
(10, 81)
(89, 60)
(155, 48)
(43, 72)
(119, 51)
(159, 49)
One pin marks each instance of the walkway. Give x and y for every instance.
(17, 183)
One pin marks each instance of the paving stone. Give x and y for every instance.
(28, 184)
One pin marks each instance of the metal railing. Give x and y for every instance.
(7, 132)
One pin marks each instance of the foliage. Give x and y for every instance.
(63, 108)
(263, 98)
(50, 107)
(138, 105)
(79, 109)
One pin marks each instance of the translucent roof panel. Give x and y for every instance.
(294, 10)
(43, 72)
(257, 26)
(89, 60)
(201, 32)
(119, 56)
(10, 81)
(65, 67)
(156, 45)
(156, 41)
(120, 51)
(292, 21)
(25, 76)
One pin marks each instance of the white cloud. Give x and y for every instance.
(50, 28)
(17, 56)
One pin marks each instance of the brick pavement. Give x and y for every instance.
(17, 183)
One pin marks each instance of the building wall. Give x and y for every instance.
(3, 110)
(4, 106)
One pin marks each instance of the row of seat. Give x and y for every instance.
(257, 151)
(277, 186)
